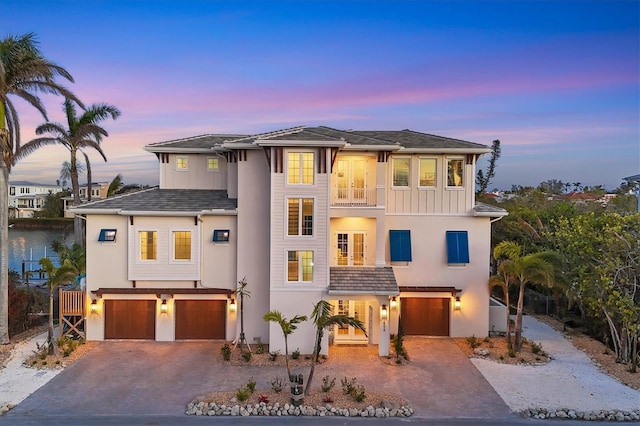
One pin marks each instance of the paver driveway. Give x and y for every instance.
(160, 378)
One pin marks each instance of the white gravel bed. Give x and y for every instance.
(570, 381)
(17, 381)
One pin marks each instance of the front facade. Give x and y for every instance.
(26, 198)
(384, 225)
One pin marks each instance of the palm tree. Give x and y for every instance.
(503, 279)
(323, 319)
(56, 276)
(24, 73)
(287, 327)
(114, 186)
(535, 268)
(81, 132)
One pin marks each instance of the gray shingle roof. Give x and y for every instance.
(413, 139)
(195, 142)
(164, 200)
(362, 280)
(488, 209)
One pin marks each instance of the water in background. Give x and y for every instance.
(30, 245)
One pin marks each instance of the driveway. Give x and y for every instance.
(159, 379)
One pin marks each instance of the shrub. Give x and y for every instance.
(358, 393)
(260, 348)
(327, 384)
(246, 356)
(251, 385)
(296, 354)
(263, 398)
(242, 394)
(348, 385)
(512, 353)
(277, 385)
(398, 344)
(327, 399)
(536, 348)
(473, 342)
(226, 352)
(273, 355)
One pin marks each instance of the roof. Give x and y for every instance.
(192, 201)
(482, 209)
(634, 178)
(382, 140)
(362, 280)
(27, 183)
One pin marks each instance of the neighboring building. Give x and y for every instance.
(98, 192)
(26, 198)
(380, 223)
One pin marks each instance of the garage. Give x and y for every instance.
(200, 319)
(130, 319)
(425, 316)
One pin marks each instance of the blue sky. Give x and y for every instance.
(557, 82)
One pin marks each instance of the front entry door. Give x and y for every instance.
(351, 179)
(350, 249)
(356, 309)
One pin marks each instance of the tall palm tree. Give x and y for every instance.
(287, 326)
(115, 185)
(503, 279)
(56, 276)
(323, 319)
(24, 73)
(535, 268)
(81, 132)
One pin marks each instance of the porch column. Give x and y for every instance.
(384, 341)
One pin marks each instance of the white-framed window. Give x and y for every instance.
(455, 172)
(182, 163)
(300, 168)
(427, 172)
(181, 245)
(12, 190)
(213, 164)
(401, 172)
(299, 216)
(300, 266)
(148, 245)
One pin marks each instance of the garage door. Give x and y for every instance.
(425, 316)
(200, 319)
(130, 319)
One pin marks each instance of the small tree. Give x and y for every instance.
(323, 319)
(56, 276)
(287, 326)
(398, 343)
(241, 293)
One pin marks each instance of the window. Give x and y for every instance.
(182, 163)
(12, 190)
(148, 245)
(213, 164)
(400, 245)
(300, 224)
(221, 236)
(457, 247)
(182, 245)
(455, 169)
(107, 235)
(427, 172)
(300, 266)
(400, 172)
(300, 167)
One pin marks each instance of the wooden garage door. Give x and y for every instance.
(200, 319)
(130, 319)
(425, 317)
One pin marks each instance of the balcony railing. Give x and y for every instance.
(353, 197)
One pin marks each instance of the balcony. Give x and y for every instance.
(353, 197)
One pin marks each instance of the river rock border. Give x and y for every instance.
(566, 414)
(263, 409)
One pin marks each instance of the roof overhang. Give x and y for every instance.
(161, 291)
(419, 289)
(299, 143)
(350, 147)
(176, 150)
(456, 151)
(122, 212)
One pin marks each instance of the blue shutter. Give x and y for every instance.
(400, 245)
(457, 247)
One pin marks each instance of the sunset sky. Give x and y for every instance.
(557, 82)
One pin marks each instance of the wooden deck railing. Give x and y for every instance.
(71, 302)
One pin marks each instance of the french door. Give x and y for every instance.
(351, 180)
(352, 308)
(350, 250)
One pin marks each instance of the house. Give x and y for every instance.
(383, 224)
(26, 198)
(99, 191)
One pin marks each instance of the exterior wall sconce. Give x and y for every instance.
(384, 314)
(457, 304)
(163, 306)
(232, 305)
(94, 306)
(393, 303)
